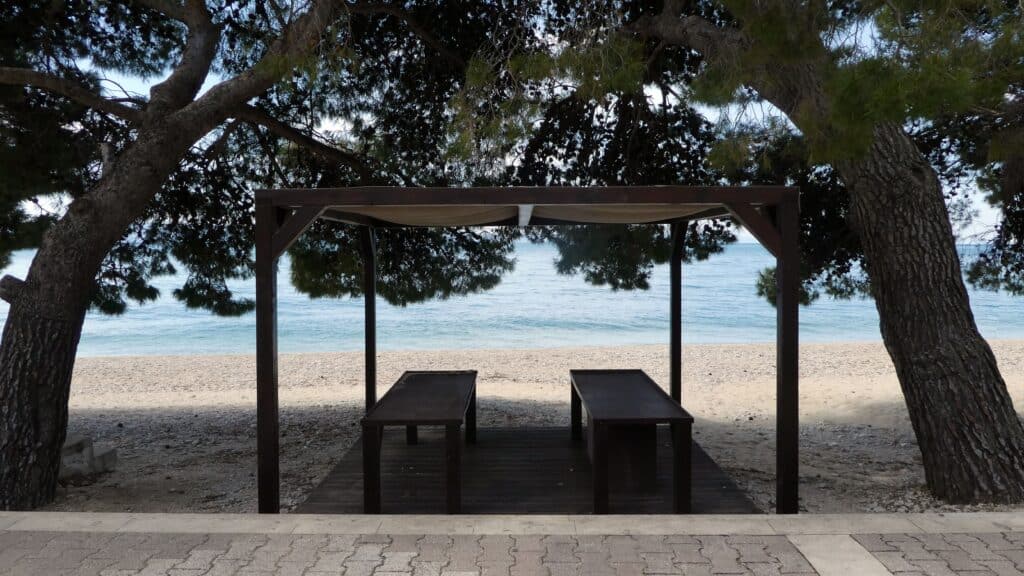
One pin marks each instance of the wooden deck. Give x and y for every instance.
(512, 471)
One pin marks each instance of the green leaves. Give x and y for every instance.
(413, 264)
(718, 85)
(1007, 145)
(892, 61)
(557, 92)
(862, 95)
(213, 295)
(615, 65)
(502, 99)
(623, 257)
(479, 74)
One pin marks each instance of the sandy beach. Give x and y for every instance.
(184, 426)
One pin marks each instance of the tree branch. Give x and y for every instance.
(278, 13)
(268, 151)
(254, 115)
(788, 86)
(68, 88)
(713, 42)
(170, 8)
(200, 49)
(11, 288)
(418, 29)
(218, 146)
(296, 41)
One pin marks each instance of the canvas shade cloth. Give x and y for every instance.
(460, 215)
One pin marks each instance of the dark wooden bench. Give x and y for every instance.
(629, 404)
(428, 398)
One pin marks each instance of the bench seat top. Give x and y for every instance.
(430, 397)
(626, 397)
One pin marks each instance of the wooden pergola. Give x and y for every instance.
(770, 213)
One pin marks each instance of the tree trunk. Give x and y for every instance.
(43, 327)
(47, 308)
(971, 440)
(36, 358)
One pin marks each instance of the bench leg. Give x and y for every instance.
(411, 435)
(600, 462)
(682, 467)
(471, 420)
(576, 414)
(371, 469)
(453, 466)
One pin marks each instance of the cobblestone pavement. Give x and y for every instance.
(174, 554)
(1001, 554)
(48, 553)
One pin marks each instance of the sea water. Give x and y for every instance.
(533, 306)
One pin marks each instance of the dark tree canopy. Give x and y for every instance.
(413, 264)
(630, 139)
(392, 93)
(49, 143)
(388, 85)
(969, 128)
(986, 148)
(380, 75)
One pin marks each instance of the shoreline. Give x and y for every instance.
(235, 355)
(184, 426)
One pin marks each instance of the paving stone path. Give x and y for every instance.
(226, 554)
(152, 554)
(1001, 554)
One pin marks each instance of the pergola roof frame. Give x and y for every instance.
(770, 213)
(499, 195)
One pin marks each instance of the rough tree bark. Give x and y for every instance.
(41, 335)
(971, 439)
(33, 416)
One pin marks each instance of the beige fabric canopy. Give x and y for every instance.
(448, 215)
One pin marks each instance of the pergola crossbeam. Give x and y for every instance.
(759, 225)
(516, 195)
(294, 226)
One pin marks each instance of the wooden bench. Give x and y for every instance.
(628, 403)
(428, 398)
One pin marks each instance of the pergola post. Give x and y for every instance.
(787, 277)
(267, 440)
(368, 247)
(675, 347)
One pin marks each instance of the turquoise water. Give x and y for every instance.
(532, 307)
